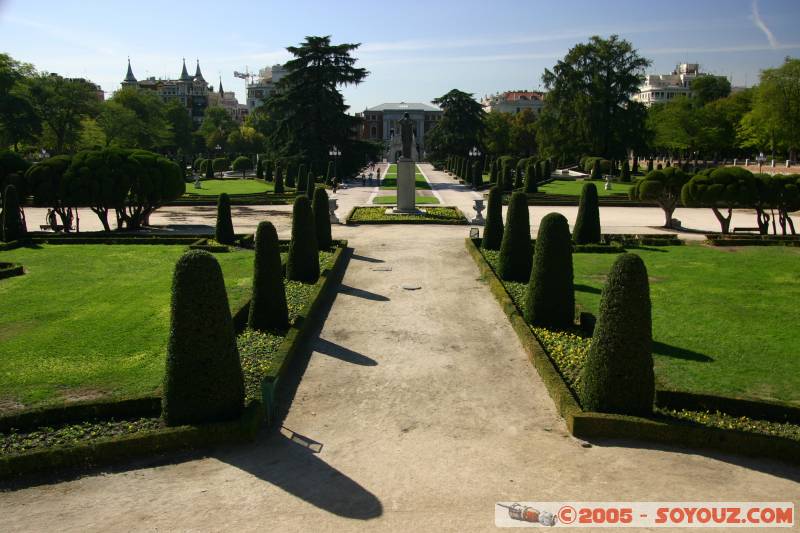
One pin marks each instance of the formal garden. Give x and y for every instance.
(388, 184)
(626, 330)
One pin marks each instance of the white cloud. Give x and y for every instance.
(760, 24)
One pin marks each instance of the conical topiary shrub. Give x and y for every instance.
(493, 230)
(515, 250)
(626, 172)
(322, 219)
(302, 183)
(209, 169)
(279, 180)
(224, 232)
(12, 221)
(618, 374)
(508, 179)
(268, 310)
(203, 380)
(587, 225)
(477, 175)
(649, 166)
(531, 177)
(289, 176)
(329, 174)
(311, 184)
(550, 298)
(493, 174)
(596, 172)
(303, 262)
(260, 169)
(519, 173)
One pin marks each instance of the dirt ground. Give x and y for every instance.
(418, 410)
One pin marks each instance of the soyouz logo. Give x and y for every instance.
(645, 514)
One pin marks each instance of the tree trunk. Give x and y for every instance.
(102, 214)
(762, 219)
(724, 222)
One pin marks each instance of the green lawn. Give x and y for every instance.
(230, 186)
(389, 181)
(92, 320)
(393, 200)
(574, 188)
(724, 319)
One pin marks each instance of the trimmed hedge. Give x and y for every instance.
(322, 219)
(8, 270)
(587, 224)
(224, 230)
(268, 310)
(279, 180)
(618, 376)
(303, 261)
(12, 221)
(515, 249)
(493, 230)
(550, 298)
(203, 381)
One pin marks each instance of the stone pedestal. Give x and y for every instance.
(406, 186)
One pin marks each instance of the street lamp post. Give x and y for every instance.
(334, 152)
(473, 153)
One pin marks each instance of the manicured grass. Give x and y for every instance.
(389, 181)
(574, 188)
(92, 320)
(393, 200)
(230, 186)
(724, 319)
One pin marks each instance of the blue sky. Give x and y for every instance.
(414, 50)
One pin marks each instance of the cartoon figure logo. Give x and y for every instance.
(517, 511)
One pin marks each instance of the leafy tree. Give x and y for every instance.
(515, 249)
(12, 168)
(497, 132)
(133, 118)
(246, 139)
(493, 231)
(217, 125)
(156, 181)
(721, 189)
(268, 309)
(550, 297)
(322, 219)
(220, 164)
(307, 112)
(523, 133)
(706, 89)
(302, 263)
(587, 224)
(19, 121)
(100, 179)
(13, 227)
(663, 187)
(589, 102)
(224, 229)
(242, 164)
(203, 381)
(460, 128)
(618, 375)
(62, 104)
(45, 181)
(180, 126)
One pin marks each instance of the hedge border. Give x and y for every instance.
(588, 425)
(462, 221)
(11, 270)
(125, 448)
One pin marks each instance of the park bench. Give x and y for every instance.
(740, 230)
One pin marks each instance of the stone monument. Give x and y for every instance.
(406, 180)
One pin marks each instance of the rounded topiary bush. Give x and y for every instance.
(12, 221)
(279, 180)
(322, 219)
(587, 225)
(224, 232)
(515, 250)
(203, 380)
(303, 261)
(618, 374)
(493, 230)
(268, 310)
(550, 298)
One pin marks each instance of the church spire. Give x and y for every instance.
(184, 73)
(198, 76)
(129, 77)
(220, 86)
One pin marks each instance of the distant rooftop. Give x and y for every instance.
(403, 106)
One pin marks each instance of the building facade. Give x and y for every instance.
(191, 91)
(514, 102)
(379, 123)
(660, 88)
(228, 101)
(262, 86)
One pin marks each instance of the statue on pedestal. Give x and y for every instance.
(406, 134)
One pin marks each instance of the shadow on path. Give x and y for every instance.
(587, 288)
(367, 259)
(361, 293)
(340, 352)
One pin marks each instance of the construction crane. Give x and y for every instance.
(244, 75)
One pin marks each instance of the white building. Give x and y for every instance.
(261, 86)
(659, 88)
(381, 123)
(514, 102)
